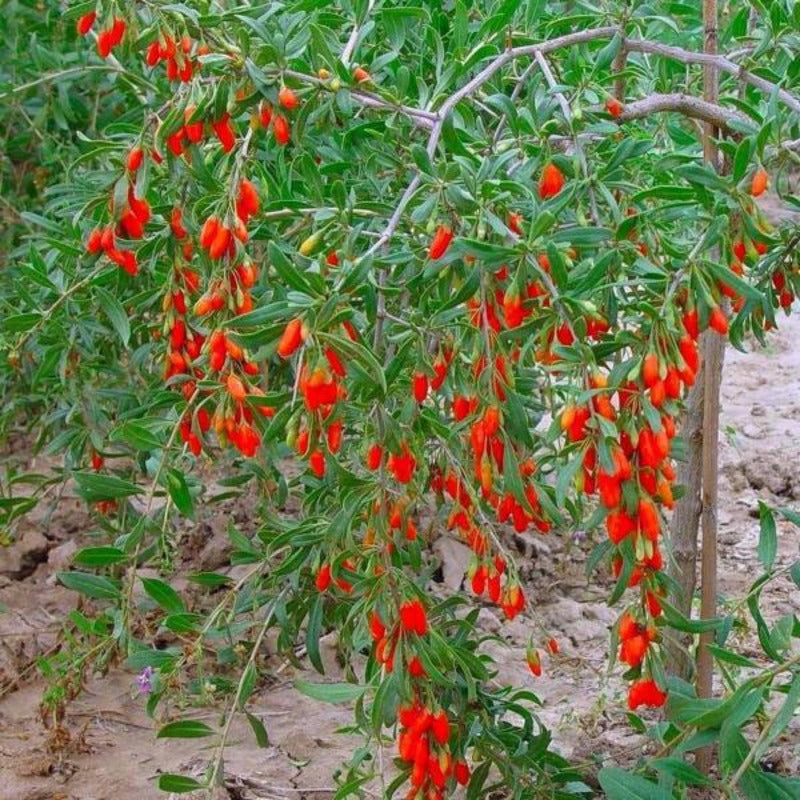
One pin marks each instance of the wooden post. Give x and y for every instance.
(713, 348)
(685, 524)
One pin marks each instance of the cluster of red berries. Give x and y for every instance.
(178, 56)
(108, 38)
(424, 745)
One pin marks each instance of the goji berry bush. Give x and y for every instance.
(396, 272)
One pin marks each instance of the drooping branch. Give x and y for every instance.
(712, 113)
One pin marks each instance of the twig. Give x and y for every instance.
(114, 66)
(237, 701)
(551, 82)
(88, 278)
(353, 40)
(394, 220)
(514, 96)
(565, 109)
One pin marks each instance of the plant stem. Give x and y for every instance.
(236, 701)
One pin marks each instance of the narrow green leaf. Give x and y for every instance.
(99, 556)
(259, 731)
(116, 314)
(178, 784)
(330, 692)
(95, 586)
(618, 784)
(768, 537)
(179, 492)
(185, 729)
(164, 595)
(93, 487)
(680, 770)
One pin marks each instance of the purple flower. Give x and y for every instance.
(144, 680)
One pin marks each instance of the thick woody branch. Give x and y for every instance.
(429, 119)
(569, 40)
(685, 104)
(720, 62)
(690, 106)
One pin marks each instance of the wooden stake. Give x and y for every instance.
(713, 349)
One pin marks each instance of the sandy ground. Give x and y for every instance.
(113, 752)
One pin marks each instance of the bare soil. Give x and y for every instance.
(112, 751)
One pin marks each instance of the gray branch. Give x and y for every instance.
(684, 104)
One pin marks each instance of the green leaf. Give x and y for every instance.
(608, 53)
(330, 692)
(183, 622)
(136, 435)
(768, 537)
(360, 354)
(730, 278)
(246, 685)
(721, 654)
(618, 784)
(743, 702)
(148, 657)
(179, 492)
(794, 572)
(287, 272)
(585, 236)
(313, 633)
(19, 323)
(741, 161)
(178, 784)
(781, 720)
(260, 732)
(99, 556)
(93, 487)
(209, 579)
(116, 314)
(790, 514)
(678, 621)
(566, 475)
(95, 586)
(164, 595)
(681, 771)
(185, 729)
(421, 159)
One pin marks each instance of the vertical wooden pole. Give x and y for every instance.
(685, 524)
(713, 347)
